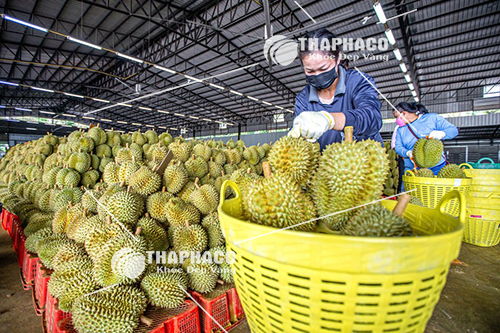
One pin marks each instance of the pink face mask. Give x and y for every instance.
(400, 122)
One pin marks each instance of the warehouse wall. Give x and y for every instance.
(14, 138)
(460, 151)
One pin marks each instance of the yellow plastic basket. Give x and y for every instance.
(293, 281)
(482, 227)
(484, 200)
(482, 177)
(430, 190)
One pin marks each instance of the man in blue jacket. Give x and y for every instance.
(335, 97)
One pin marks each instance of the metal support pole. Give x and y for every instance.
(239, 131)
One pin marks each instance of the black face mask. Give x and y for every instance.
(322, 80)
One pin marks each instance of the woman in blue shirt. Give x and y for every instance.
(416, 122)
(335, 97)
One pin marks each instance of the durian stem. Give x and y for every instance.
(220, 282)
(196, 182)
(266, 168)
(348, 133)
(323, 228)
(400, 208)
(138, 231)
(146, 320)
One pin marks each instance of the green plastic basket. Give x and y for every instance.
(481, 165)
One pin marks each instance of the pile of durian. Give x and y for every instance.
(308, 190)
(392, 181)
(94, 200)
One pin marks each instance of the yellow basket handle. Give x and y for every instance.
(409, 173)
(466, 165)
(229, 184)
(461, 203)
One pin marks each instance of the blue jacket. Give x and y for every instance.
(355, 98)
(425, 124)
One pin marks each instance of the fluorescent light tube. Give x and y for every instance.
(129, 57)
(9, 83)
(403, 67)
(79, 41)
(23, 109)
(42, 89)
(390, 37)
(407, 78)
(9, 18)
(397, 54)
(165, 69)
(72, 95)
(380, 12)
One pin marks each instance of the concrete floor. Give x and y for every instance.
(469, 303)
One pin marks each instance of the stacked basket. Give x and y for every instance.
(331, 283)
(482, 225)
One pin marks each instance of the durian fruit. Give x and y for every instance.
(212, 225)
(72, 280)
(294, 157)
(98, 135)
(66, 253)
(424, 172)
(203, 275)
(66, 196)
(165, 139)
(165, 290)
(189, 238)
(95, 162)
(32, 240)
(179, 212)
(181, 150)
(85, 228)
(156, 205)
(219, 157)
(67, 177)
(427, 152)
(89, 200)
(113, 139)
(48, 247)
(214, 169)
(205, 198)
(95, 233)
(60, 220)
(349, 174)
(145, 181)
(120, 259)
(175, 177)
(85, 144)
(103, 162)
(139, 138)
(219, 257)
(151, 136)
(112, 310)
(126, 207)
(157, 152)
(391, 184)
(132, 152)
(103, 150)
(90, 178)
(376, 221)
(202, 150)
(244, 179)
(154, 234)
(251, 155)
(196, 166)
(451, 171)
(49, 177)
(233, 156)
(125, 171)
(79, 161)
(278, 201)
(110, 174)
(36, 222)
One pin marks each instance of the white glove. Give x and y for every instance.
(312, 125)
(409, 153)
(437, 135)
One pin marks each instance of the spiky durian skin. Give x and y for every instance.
(32, 240)
(67, 253)
(156, 237)
(90, 178)
(36, 222)
(205, 198)
(145, 181)
(424, 172)
(451, 171)
(113, 310)
(165, 139)
(110, 174)
(80, 162)
(48, 247)
(98, 135)
(212, 225)
(348, 174)
(181, 150)
(85, 144)
(244, 180)
(126, 169)
(49, 177)
(189, 238)
(179, 212)
(89, 200)
(376, 221)
(427, 152)
(279, 202)
(112, 260)
(196, 166)
(165, 290)
(66, 196)
(85, 228)
(67, 177)
(219, 257)
(125, 206)
(202, 150)
(72, 280)
(251, 155)
(175, 177)
(157, 205)
(202, 276)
